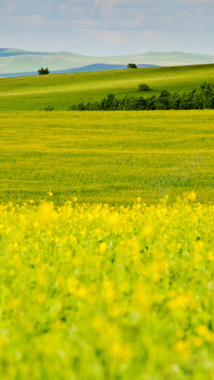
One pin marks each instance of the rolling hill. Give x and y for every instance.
(62, 90)
(21, 61)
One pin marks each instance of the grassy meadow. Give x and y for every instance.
(62, 90)
(106, 231)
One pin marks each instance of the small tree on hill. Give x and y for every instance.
(43, 71)
(131, 66)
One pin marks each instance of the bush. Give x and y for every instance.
(144, 87)
(49, 108)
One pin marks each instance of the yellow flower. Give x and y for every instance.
(109, 291)
(44, 212)
(182, 301)
(192, 196)
(113, 222)
(202, 330)
(147, 232)
(17, 260)
(198, 341)
(122, 351)
(103, 248)
(3, 342)
(205, 333)
(81, 292)
(210, 256)
(157, 270)
(72, 284)
(183, 348)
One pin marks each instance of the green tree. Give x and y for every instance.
(43, 71)
(131, 66)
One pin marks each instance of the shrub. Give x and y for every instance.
(49, 108)
(144, 87)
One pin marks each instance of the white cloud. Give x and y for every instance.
(105, 5)
(110, 37)
(31, 21)
(108, 25)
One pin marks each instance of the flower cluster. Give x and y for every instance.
(101, 292)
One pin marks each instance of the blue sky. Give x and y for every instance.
(108, 27)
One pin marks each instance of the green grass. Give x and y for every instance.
(110, 157)
(62, 90)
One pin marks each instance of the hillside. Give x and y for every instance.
(62, 90)
(17, 61)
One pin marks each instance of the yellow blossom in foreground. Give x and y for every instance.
(210, 256)
(147, 232)
(183, 347)
(103, 248)
(3, 343)
(44, 213)
(97, 292)
(205, 333)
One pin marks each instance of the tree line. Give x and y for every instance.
(201, 98)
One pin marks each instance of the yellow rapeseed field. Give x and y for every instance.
(106, 157)
(100, 292)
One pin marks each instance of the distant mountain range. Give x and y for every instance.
(15, 62)
(94, 67)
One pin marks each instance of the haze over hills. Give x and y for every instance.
(88, 68)
(21, 61)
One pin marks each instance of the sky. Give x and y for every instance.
(108, 27)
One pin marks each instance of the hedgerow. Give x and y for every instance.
(201, 98)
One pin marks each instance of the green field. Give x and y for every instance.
(110, 157)
(63, 90)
